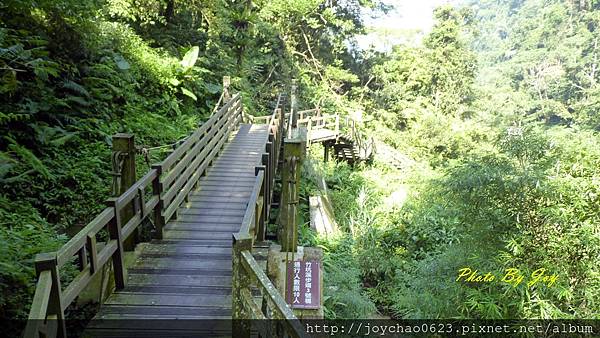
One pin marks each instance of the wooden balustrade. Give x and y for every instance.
(50, 299)
(247, 275)
(156, 196)
(167, 184)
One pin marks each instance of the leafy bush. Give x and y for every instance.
(23, 233)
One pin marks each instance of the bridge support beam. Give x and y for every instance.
(294, 152)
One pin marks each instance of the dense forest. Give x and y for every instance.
(492, 119)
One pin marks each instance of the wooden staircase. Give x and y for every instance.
(345, 149)
(351, 146)
(352, 150)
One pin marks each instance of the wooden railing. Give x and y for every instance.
(157, 195)
(331, 122)
(247, 275)
(181, 170)
(313, 120)
(365, 144)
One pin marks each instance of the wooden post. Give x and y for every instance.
(260, 224)
(268, 162)
(114, 232)
(44, 262)
(159, 218)
(308, 129)
(272, 150)
(226, 84)
(125, 144)
(294, 106)
(281, 133)
(241, 325)
(294, 152)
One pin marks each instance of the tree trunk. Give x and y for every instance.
(170, 11)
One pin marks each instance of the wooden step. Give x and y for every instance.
(174, 263)
(177, 280)
(197, 235)
(165, 311)
(203, 226)
(153, 299)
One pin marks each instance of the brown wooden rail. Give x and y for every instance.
(156, 195)
(332, 126)
(247, 275)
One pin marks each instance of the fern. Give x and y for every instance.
(6, 118)
(79, 100)
(76, 88)
(30, 160)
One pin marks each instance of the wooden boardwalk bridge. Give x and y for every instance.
(339, 136)
(207, 204)
(187, 274)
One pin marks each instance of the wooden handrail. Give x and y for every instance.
(246, 271)
(169, 181)
(39, 305)
(248, 222)
(273, 298)
(189, 142)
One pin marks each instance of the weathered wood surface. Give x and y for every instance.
(321, 135)
(187, 274)
(322, 219)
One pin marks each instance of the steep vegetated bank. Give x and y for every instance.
(75, 72)
(495, 114)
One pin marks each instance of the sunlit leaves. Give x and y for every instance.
(189, 94)
(190, 58)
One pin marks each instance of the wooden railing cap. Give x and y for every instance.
(45, 261)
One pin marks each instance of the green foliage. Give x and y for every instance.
(542, 60)
(437, 76)
(504, 169)
(72, 73)
(23, 233)
(344, 297)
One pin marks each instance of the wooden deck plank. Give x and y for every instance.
(197, 235)
(220, 244)
(220, 205)
(118, 298)
(185, 250)
(201, 212)
(181, 272)
(187, 274)
(176, 289)
(231, 194)
(229, 179)
(164, 310)
(203, 227)
(180, 264)
(177, 280)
